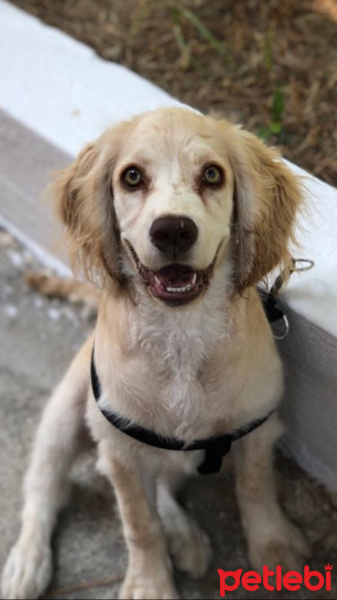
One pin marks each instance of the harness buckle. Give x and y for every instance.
(214, 454)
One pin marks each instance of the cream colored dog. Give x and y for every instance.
(177, 216)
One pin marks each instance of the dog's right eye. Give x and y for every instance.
(132, 177)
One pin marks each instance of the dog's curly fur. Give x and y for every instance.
(191, 371)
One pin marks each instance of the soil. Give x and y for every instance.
(269, 65)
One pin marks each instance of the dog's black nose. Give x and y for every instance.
(173, 234)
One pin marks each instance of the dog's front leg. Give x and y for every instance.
(272, 539)
(29, 565)
(149, 573)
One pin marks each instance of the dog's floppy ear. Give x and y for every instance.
(267, 197)
(84, 203)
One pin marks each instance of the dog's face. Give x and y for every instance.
(167, 197)
(173, 199)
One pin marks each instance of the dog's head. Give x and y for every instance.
(166, 198)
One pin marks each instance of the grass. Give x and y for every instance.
(277, 108)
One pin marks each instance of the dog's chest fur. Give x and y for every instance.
(189, 374)
(163, 380)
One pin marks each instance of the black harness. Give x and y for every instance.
(215, 447)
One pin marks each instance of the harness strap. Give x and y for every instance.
(215, 447)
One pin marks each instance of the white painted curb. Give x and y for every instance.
(58, 87)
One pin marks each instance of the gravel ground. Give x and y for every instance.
(38, 338)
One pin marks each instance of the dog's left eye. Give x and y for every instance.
(212, 175)
(132, 177)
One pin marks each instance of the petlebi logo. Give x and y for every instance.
(291, 580)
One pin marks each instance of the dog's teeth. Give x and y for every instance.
(194, 279)
(186, 288)
(157, 280)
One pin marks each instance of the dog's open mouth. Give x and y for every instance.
(174, 284)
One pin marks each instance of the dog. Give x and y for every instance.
(176, 217)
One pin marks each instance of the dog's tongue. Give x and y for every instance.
(176, 276)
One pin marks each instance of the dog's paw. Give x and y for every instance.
(191, 550)
(143, 586)
(28, 570)
(284, 546)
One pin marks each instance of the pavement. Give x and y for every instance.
(38, 339)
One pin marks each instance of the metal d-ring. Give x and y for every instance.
(286, 329)
(309, 265)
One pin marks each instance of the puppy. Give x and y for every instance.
(176, 217)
